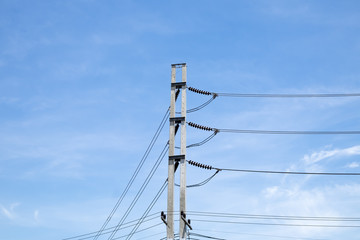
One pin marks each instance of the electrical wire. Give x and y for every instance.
(288, 132)
(276, 95)
(138, 168)
(261, 235)
(202, 142)
(290, 172)
(278, 224)
(201, 183)
(273, 217)
(205, 236)
(151, 205)
(142, 230)
(205, 128)
(151, 236)
(142, 188)
(200, 165)
(200, 106)
(310, 95)
(106, 230)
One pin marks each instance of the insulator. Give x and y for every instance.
(194, 125)
(200, 165)
(199, 91)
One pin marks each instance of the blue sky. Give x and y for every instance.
(85, 83)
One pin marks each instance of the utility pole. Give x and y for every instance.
(174, 159)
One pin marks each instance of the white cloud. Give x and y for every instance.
(271, 191)
(325, 154)
(9, 212)
(353, 165)
(6, 212)
(36, 215)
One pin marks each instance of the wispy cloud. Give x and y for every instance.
(9, 212)
(353, 165)
(36, 215)
(326, 154)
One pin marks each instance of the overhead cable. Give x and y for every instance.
(109, 230)
(200, 106)
(205, 128)
(290, 172)
(142, 230)
(273, 217)
(139, 193)
(200, 165)
(151, 205)
(138, 168)
(205, 236)
(277, 224)
(275, 95)
(262, 235)
(200, 183)
(202, 142)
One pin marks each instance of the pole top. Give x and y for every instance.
(178, 65)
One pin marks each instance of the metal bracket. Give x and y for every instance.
(178, 65)
(163, 218)
(187, 222)
(177, 157)
(178, 85)
(177, 119)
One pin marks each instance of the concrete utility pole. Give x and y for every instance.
(174, 159)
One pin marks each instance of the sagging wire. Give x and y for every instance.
(151, 205)
(200, 106)
(204, 236)
(200, 165)
(202, 142)
(282, 132)
(275, 95)
(200, 183)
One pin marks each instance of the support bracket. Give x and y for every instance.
(187, 222)
(163, 218)
(177, 119)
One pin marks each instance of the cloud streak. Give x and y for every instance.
(326, 154)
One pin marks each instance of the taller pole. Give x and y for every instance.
(174, 159)
(171, 167)
(182, 228)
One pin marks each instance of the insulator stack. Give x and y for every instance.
(199, 91)
(200, 165)
(194, 125)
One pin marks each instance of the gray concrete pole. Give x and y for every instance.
(182, 228)
(170, 198)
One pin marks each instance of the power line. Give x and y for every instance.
(142, 230)
(139, 193)
(200, 183)
(106, 230)
(278, 224)
(202, 142)
(261, 235)
(273, 217)
(275, 95)
(151, 236)
(289, 172)
(205, 236)
(200, 165)
(267, 95)
(200, 106)
(205, 128)
(151, 205)
(287, 132)
(138, 168)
